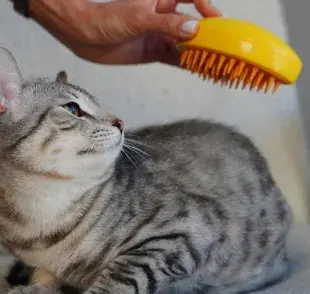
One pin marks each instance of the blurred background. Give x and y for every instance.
(142, 95)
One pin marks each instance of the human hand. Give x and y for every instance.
(122, 31)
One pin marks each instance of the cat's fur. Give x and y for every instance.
(189, 206)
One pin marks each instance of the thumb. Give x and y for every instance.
(179, 26)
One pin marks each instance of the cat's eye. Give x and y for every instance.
(73, 108)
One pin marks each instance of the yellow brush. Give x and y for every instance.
(236, 52)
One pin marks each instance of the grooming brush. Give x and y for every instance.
(240, 54)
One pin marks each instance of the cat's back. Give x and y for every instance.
(201, 147)
(209, 159)
(223, 182)
(201, 137)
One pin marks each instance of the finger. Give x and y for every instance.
(179, 26)
(204, 7)
(166, 6)
(207, 9)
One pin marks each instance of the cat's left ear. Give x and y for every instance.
(10, 79)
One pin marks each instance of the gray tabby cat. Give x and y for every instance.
(189, 207)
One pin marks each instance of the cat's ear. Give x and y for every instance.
(62, 78)
(10, 79)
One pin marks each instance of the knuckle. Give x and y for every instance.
(138, 19)
(167, 23)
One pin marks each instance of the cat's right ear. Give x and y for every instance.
(10, 80)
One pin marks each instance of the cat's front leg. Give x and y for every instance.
(7, 260)
(42, 282)
(143, 272)
(32, 289)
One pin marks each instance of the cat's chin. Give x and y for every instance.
(114, 146)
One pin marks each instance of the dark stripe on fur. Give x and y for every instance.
(140, 226)
(73, 94)
(210, 203)
(8, 209)
(246, 242)
(48, 140)
(83, 91)
(148, 272)
(126, 281)
(89, 268)
(68, 128)
(30, 132)
(86, 152)
(174, 264)
(123, 267)
(195, 256)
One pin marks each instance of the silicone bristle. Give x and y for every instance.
(227, 70)
(202, 59)
(240, 68)
(247, 79)
(270, 82)
(211, 60)
(242, 77)
(195, 61)
(231, 64)
(189, 59)
(276, 86)
(183, 57)
(220, 64)
(261, 85)
(257, 80)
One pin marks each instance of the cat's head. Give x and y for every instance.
(53, 127)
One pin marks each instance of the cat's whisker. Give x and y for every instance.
(120, 158)
(130, 146)
(131, 135)
(136, 152)
(129, 158)
(138, 142)
(90, 149)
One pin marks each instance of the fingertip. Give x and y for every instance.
(178, 26)
(189, 28)
(213, 11)
(207, 9)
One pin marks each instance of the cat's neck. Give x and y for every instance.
(42, 198)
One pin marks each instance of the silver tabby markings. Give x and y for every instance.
(189, 207)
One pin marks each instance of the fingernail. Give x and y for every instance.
(190, 27)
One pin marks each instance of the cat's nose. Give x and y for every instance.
(119, 124)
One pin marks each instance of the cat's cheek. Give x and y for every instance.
(72, 142)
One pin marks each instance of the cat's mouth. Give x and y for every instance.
(95, 150)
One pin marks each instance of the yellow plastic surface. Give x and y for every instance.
(248, 42)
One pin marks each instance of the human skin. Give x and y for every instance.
(121, 31)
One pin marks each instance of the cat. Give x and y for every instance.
(16, 272)
(183, 207)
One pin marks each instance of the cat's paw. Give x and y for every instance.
(33, 289)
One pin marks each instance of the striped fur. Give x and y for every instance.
(189, 207)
